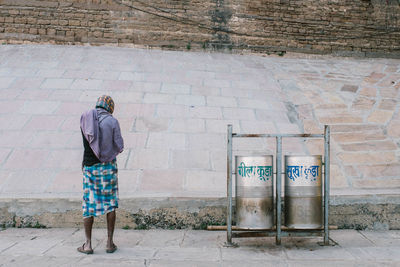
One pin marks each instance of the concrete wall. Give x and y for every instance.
(360, 27)
(365, 212)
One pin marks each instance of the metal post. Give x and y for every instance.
(278, 188)
(326, 184)
(229, 185)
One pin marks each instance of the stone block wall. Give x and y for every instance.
(360, 27)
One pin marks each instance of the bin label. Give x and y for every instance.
(294, 172)
(263, 172)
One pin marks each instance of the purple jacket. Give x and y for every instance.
(103, 133)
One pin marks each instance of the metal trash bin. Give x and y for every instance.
(254, 192)
(303, 192)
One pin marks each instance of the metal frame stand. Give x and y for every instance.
(279, 232)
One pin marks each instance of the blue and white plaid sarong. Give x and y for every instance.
(100, 189)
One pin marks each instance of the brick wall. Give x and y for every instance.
(363, 27)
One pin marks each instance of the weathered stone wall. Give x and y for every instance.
(362, 27)
(379, 213)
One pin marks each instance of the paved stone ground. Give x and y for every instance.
(174, 107)
(57, 247)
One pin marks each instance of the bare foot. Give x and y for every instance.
(85, 249)
(111, 249)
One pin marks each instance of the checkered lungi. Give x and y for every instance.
(100, 189)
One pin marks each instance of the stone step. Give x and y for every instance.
(372, 211)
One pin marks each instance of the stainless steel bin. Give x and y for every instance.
(254, 192)
(303, 192)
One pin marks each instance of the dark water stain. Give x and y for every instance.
(220, 17)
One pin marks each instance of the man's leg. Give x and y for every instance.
(88, 224)
(110, 230)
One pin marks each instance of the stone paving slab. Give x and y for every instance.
(49, 247)
(174, 107)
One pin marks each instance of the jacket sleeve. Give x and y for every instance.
(118, 140)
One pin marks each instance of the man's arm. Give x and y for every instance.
(118, 140)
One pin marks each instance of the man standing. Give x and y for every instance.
(102, 142)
